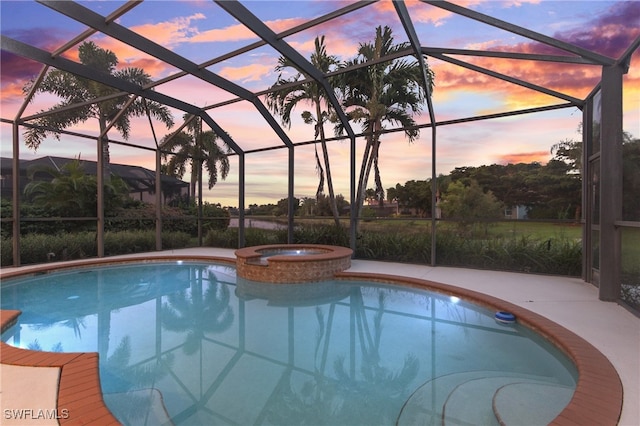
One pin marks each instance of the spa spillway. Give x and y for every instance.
(292, 263)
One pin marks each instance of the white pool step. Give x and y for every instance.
(471, 403)
(530, 403)
(484, 398)
(424, 406)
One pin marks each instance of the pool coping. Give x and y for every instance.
(597, 399)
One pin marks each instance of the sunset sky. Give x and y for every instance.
(201, 30)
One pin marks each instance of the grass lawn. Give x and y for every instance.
(512, 229)
(537, 230)
(516, 228)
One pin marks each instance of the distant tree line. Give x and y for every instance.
(468, 194)
(547, 191)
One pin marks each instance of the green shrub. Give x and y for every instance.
(397, 247)
(214, 217)
(141, 217)
(125, 242)
(41, 248)
(6, 251)
(559, 256)
(142, 241)
(321, 234)
(6, 212)
(228, 238)
(174, 219)
(411, 244)
(368, 213)
(310, 234)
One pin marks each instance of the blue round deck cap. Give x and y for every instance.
(505, 317)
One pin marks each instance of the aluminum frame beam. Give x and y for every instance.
(575, 101)
(325, 18)
(524, 32)
(510, 55)
(127, 7)
(244, 16)
(407, 23)
(44, 57)
(94, 20)
(16, 134)
(611, 166)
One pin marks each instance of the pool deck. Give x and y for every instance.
(67, 385)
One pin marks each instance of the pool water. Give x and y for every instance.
(291, 252)
(267, 253)
(190, 344)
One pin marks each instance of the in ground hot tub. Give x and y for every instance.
(292, 263)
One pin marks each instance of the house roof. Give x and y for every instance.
(138, 178)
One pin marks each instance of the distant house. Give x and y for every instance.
(516, 212)
(141, 181)
(386, 209)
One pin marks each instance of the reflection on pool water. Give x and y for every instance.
(189, 343)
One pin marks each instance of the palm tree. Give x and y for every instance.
(72, 192)
(74, 89)
(383, 92)
(196, 148)
(283, 101)
(204, 309)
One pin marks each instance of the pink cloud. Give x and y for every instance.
(170, 33)
(524, 157)
(239, 32)
(16, 68)
(236, 32)
(129, 57)
(573, 80)
(419, 11)
(609, 33)
(253, 72)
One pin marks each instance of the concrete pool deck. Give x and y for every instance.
(569, 302)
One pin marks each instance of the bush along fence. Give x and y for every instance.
(557, 256)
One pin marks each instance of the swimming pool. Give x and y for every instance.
(190, 342)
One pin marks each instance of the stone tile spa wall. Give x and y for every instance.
(314, 262)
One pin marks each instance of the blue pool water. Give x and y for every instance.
(291, 252)
(193, 344)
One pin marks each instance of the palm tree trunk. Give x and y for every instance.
(373, 156)
(106, 157)
(327, 168)
(320, 188)
(194, 178)
(362, 180)
(378, 179)
(371, 152)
